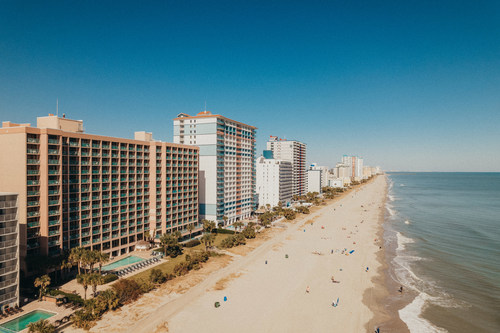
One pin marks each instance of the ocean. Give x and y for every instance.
(445, 232)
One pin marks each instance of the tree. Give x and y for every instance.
(41, 326)
(95, 279)
(76, 257)
(225, 218)
(207, 239)
(42, 282)
(238, 225)
(85, 281)
(208, 226)
(190, 228)
(170, 243)
(157, 277)
(127, 290)
(65, 265)
(109, 299)
(102, 258)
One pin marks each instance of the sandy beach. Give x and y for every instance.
(266, 288)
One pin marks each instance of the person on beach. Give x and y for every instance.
(333, 279)
(400, 289)
(307, 289)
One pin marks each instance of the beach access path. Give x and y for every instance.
(272, 297)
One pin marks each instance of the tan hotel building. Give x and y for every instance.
(99, 192)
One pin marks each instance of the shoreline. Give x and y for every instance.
(381, 298)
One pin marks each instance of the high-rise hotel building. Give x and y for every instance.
(295, 152)
(9, 251)
(98, 192)
(227, 164)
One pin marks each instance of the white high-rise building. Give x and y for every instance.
(294, 152)
(227, 169)
(323, 177)
(355, 165)
(314, 180)
(274, 181)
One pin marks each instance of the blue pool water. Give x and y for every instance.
(122, 263)
(20, 323)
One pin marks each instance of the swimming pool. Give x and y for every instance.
(122, 262)
(20, 323)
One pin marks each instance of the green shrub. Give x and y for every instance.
(75, 299)
(181, 268)
(109, 278)
(248, 232)
(156, 276)
(127, 290)
(225, 231)
(192, 243)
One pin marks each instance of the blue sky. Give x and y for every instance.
(408, 85)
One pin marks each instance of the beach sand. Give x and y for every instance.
(272, 297)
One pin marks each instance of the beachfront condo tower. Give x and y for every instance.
(9, 251)
(294, 152)
(98, 192)
(274, 181)
(227, 164)
(355, 165)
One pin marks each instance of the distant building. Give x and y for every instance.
(227, 164)
(98, 192)
(274, 181)
(9, 251)
(355, 165)
(334, 181)
(314, 180)
(294, 152)
(324, 175)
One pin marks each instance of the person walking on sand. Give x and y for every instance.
(333, 279)
(307, 289)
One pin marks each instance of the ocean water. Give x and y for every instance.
(446, 231)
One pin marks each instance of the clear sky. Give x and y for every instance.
(408, 85)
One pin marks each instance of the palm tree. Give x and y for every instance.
(207, 239)
(95, 279)
(41, 326)
(225, 218)
(42, 282)
(102, 258)
(65, 265)
(237, 225)
(208, 226)
(84, 280)
(168, 240)
(76, 256)
(109, 299)
(190, 228)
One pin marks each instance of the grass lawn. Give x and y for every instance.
(168, 265)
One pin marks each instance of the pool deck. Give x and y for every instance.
(60, 311)
(73, 286)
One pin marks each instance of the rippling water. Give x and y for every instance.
(447, 228)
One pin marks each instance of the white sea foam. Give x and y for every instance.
(391, 211)
(407, 222)
(391, 197)
(402, 241)
(411, 315)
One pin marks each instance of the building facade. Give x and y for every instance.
(9, 251)
(314, 180)
(294, 152)
(355, 165)
(98, 192)
(227, 164)
(274, 181)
